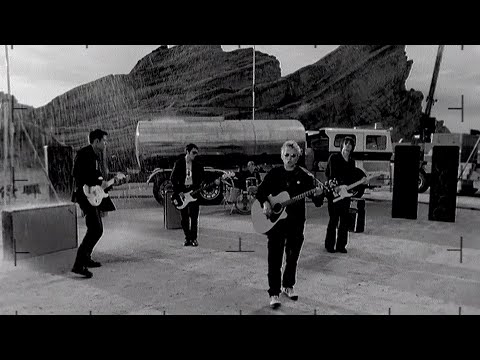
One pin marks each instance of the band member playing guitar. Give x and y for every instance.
(340, 171)
(188, 176)
(287, 235)
(87, 172)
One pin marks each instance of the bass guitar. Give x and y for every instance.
(262, 223)
(180, 201)
(95, 194)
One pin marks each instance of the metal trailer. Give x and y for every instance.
(223, 144)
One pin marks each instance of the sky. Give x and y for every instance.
(39, 73)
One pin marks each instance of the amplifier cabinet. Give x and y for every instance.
(38, 230)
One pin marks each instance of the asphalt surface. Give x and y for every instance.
(395, 266)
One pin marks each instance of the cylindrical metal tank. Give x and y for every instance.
(166, 138)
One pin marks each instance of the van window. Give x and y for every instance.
(339, 138)
(319, 144)
(376, 142)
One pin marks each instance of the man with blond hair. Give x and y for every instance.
(287, 236)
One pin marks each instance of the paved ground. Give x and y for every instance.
(397, 265)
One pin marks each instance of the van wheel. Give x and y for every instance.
(159, 187)
(212, 196)
(422, 182)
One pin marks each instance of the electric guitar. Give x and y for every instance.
(262, 223)
(180, 202)
(342, 191)
(95, 194)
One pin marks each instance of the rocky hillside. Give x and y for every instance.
(353, 85)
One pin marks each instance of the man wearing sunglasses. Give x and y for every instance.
(340, 167)
(187, 175)
(287, 236)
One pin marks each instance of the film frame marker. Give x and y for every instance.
(460, 249)
(461, 108)
(240, 247)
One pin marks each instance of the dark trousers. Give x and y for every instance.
(338, 212)
(286, 237)
(94, 223)
(190, 220)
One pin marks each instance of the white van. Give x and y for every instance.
(373, 151)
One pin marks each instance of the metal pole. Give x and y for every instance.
(253, 86)
(9, 124)
(5, 151)
(10, 114)
(462, 109)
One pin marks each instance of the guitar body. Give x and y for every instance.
(94, 194)
(180, 203)
(262, 224)
(342, 193)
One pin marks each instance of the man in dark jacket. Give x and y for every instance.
(340, 167)
(188, 175)
(87, 171)
(287, 235)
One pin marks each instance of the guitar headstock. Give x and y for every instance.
(121, 178)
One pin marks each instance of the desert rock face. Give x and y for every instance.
(352, 86)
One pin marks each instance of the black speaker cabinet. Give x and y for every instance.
(59, 165)
(357, 215)
(405, 181)
(172, 217)
(443, 184)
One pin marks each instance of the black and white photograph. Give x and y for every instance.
(240, 180)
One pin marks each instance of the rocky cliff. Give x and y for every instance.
(353, 85)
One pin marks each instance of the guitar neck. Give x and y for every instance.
(298, 197)
(109, 183)
(194, 192)
(356, 183)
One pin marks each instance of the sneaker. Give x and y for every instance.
(290, 293)
(194, 243)
(92, 264)
(187, 243)
(275, 302)
(82, 271)
(330, 250)
(343, 251)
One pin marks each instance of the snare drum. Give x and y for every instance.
(232, 194)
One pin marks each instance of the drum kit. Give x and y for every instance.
(242, 200)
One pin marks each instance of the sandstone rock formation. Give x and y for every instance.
(353, 85)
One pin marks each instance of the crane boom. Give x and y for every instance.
(436, 70)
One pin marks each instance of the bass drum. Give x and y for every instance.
(244, 203)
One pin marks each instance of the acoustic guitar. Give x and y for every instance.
(263, 224)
